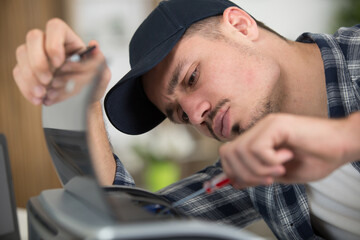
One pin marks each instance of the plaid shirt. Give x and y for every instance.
(283, 207)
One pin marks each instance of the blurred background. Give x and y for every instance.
(163, 155)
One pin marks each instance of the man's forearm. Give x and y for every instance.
(101, 153)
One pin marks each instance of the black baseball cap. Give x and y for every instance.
(126, 104)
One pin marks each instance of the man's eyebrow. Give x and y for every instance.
(175, 77)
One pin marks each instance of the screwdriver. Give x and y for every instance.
(209, 186)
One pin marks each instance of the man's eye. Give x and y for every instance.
(184, 117)
(193, 77)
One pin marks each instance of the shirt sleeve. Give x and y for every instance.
(122, 176)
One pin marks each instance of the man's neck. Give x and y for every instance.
(302, 80)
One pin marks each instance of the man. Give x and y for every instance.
(210, 64)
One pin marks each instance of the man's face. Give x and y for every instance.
(221, 87)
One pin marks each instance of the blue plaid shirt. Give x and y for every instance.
(283, 207)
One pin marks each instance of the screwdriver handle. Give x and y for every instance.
(215, 183)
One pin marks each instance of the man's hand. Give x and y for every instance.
(291, 149)
(42, 75)
(45, 53)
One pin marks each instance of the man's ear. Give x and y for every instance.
(241, 21)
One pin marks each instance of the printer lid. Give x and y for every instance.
(65, 129)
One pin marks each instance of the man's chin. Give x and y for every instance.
(236, 130)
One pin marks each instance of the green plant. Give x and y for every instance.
(349, 14)
(160, 171)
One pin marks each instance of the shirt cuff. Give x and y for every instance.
(122, 176)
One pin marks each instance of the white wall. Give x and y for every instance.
(293, 17)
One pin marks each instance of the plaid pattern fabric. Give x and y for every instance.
(122, 176)
(341, 56)
(283, 207)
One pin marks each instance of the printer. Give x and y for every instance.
(83, 209)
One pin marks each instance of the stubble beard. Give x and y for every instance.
(262, 110)
(268, 105)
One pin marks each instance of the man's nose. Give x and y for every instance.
(196, 109)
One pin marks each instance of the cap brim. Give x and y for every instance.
(126, 104)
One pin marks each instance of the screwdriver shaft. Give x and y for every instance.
(194, 194)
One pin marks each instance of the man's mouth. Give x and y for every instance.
(221, 123)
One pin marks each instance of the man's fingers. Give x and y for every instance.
(67, 84)
(37, 57)
(56, 95)
(258, 163)
(227, 169)
(240, 175)
(60, 41)
(258, 169)
(42, 72)
(25, 78)
(24, 88)
(284, 155)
